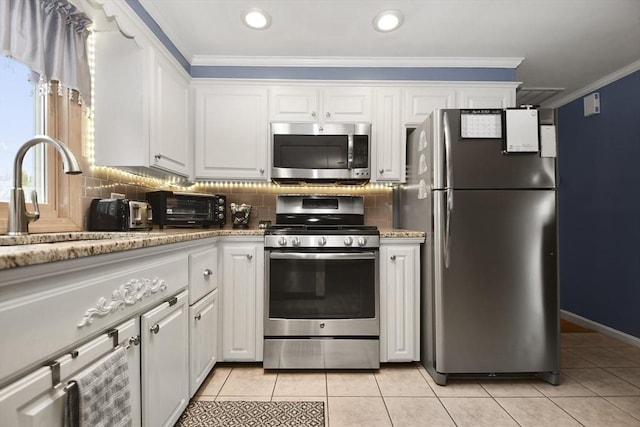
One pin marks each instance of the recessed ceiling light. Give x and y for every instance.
(388, 20)
(257, 19)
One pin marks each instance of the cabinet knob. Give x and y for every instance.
(313, 114)
(381, 171)
(207, 272)
(261, 170)
(249, 257)
(155, 328)
(198, 316)
(328, 114)
(393, 257)
(157, 156)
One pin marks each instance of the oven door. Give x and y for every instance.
(322, 293)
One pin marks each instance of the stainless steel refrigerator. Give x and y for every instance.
(482, 185)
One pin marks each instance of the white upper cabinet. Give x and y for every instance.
(231, 132)
(347, 104)
(388, 157)
(141, 108)
(294, 104)
(170, 133)
(320, 104)
(486, 97)
(421, 101)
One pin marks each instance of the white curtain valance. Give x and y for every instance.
(50, 37)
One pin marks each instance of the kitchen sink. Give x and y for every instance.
(79, 236)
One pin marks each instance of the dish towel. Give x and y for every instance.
(101, 396)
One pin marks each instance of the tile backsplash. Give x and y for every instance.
(101, 182)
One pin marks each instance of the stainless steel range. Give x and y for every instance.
(322, 285)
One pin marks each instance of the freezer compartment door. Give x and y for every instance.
(496, 292)
(482, 163)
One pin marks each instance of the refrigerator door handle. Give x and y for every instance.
(447, 228)
(449, 187)
(447, 151)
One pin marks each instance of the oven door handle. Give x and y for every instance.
(323, 256)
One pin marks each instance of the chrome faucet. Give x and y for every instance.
(19, 217)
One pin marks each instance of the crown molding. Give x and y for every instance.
(608, 79)
(372, 62)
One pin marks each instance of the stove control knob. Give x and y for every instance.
(348, 241)
(362, 241)
(295, 241)
(322, 241)
(282, 241)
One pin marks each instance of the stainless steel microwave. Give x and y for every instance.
(334, 153)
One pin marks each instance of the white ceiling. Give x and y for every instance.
(566, 44)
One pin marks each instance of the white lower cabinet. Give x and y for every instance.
(165, 362)
(400, 302)
(203, 339)
(242, 301)
(34, 401)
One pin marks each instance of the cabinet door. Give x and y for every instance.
(141, 108)
(121, 101)
(170, 141)
(203, 337)
(388, 148)
(31, 401)
(231, 133)
(400, 303)
(242, 303)
(165, 362)
(420, 102)
(486, 97)
(347, 104)
(293, 104)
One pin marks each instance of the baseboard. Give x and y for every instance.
(598, 327)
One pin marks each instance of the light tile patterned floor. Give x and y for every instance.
(600, 386)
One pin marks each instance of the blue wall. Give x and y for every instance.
(599, 207)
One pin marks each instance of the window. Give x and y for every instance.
(22, 118)
(23, 114)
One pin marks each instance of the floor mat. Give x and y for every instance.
(243, 413)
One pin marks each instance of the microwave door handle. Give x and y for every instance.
(350, 152)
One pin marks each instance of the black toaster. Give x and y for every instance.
(119, 215)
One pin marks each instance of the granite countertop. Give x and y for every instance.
(20, 251)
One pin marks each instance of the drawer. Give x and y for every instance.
(203, 273)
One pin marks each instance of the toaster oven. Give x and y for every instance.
(176, 209)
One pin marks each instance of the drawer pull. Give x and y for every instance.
(393, 257)
(198, 316)
(249, 257)
(207, 272)
(155, 328)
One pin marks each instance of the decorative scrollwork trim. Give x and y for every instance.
(126, 295)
